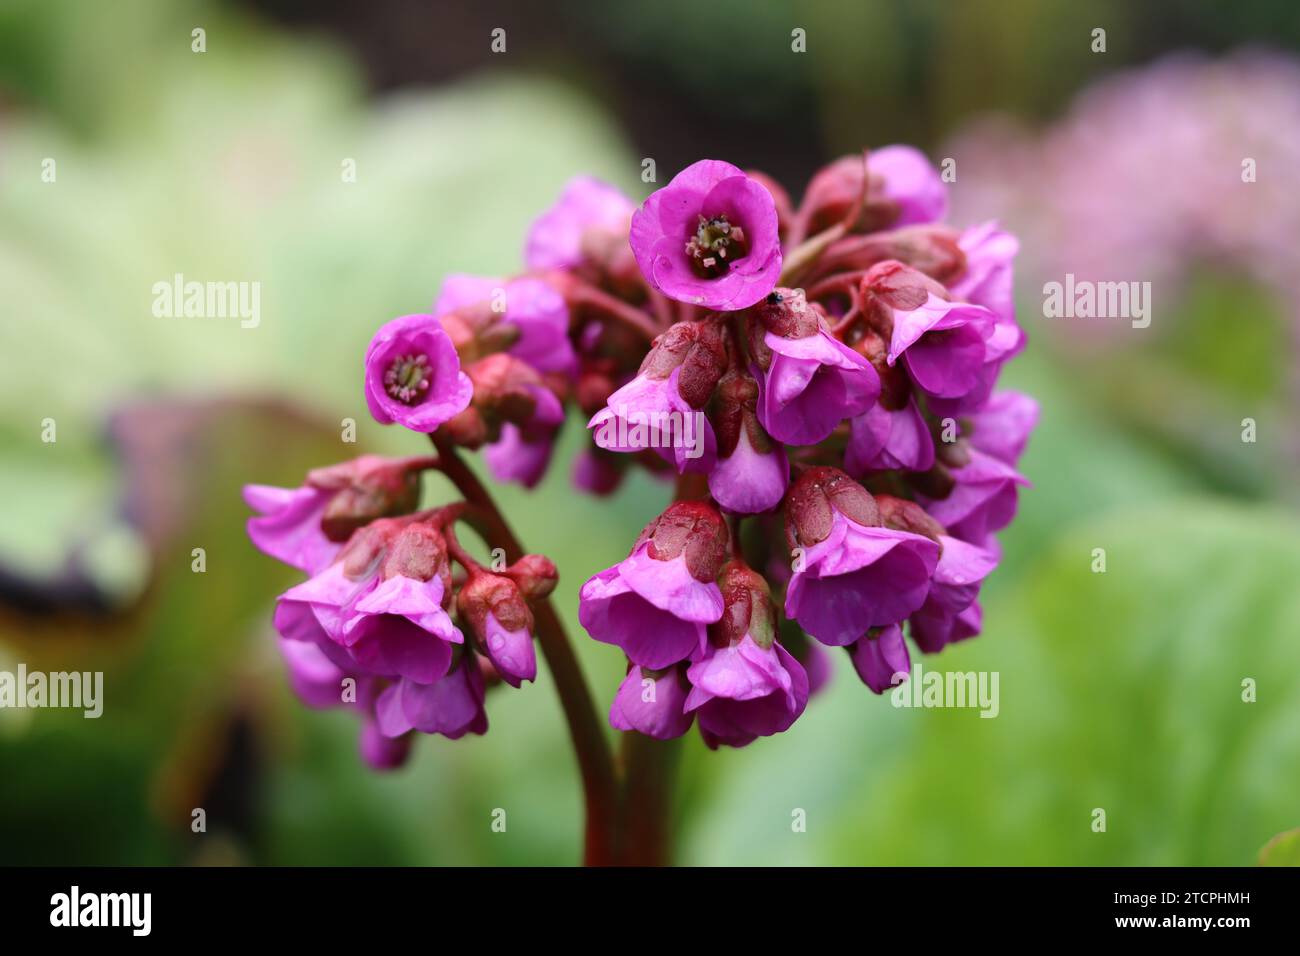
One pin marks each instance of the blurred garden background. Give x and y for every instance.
(1120, 690)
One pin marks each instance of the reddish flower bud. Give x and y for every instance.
(502, 624)
(504, 389)
(468, 429)
(816, 496)
(704, 363)
(694, 529)
(366, 488)
(903, 515)
(748, 607)
(900, 286)
(933, 250)
(785, 312)
(595, 384)
(418, 551)
(535, 574)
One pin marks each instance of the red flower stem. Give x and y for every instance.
(649, 773)
(589, 742)
(613, 308)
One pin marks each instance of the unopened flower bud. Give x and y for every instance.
(903, 515)
(815, 497)
(691, 529)
(418, 551)
(748, 607)
(502, 623)
(503, 389)
(366, 488)
(535, 574)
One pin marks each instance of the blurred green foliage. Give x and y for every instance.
(1120, 690)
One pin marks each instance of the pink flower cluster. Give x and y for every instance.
(852, 421)
(371, 628)
(821, 384)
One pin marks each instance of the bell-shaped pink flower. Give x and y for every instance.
(752, 470)
(372, 611)
(885, 440)
(852, 574)
(746, 685)
(880, 657)
(656, 603)
(651, 703)
(451, 706)
(961, 570)
(809, 381)
(983, 499)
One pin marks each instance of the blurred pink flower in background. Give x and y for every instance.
(1147, 176)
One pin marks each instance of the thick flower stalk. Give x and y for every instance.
(820, 382)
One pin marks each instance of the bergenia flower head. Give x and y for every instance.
(652, 702)
(818, 387)
(709, 238)
(451, 706)
(379, 608)
(752, 470)
(497, 610)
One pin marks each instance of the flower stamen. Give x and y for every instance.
(716, 244)
(408, 377)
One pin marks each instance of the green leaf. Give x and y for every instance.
(1282, 850)
(1123, 691)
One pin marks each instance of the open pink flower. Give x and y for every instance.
(372, 612)
(413, 375)
(709, 238)
(808, 380)
(745, 691)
